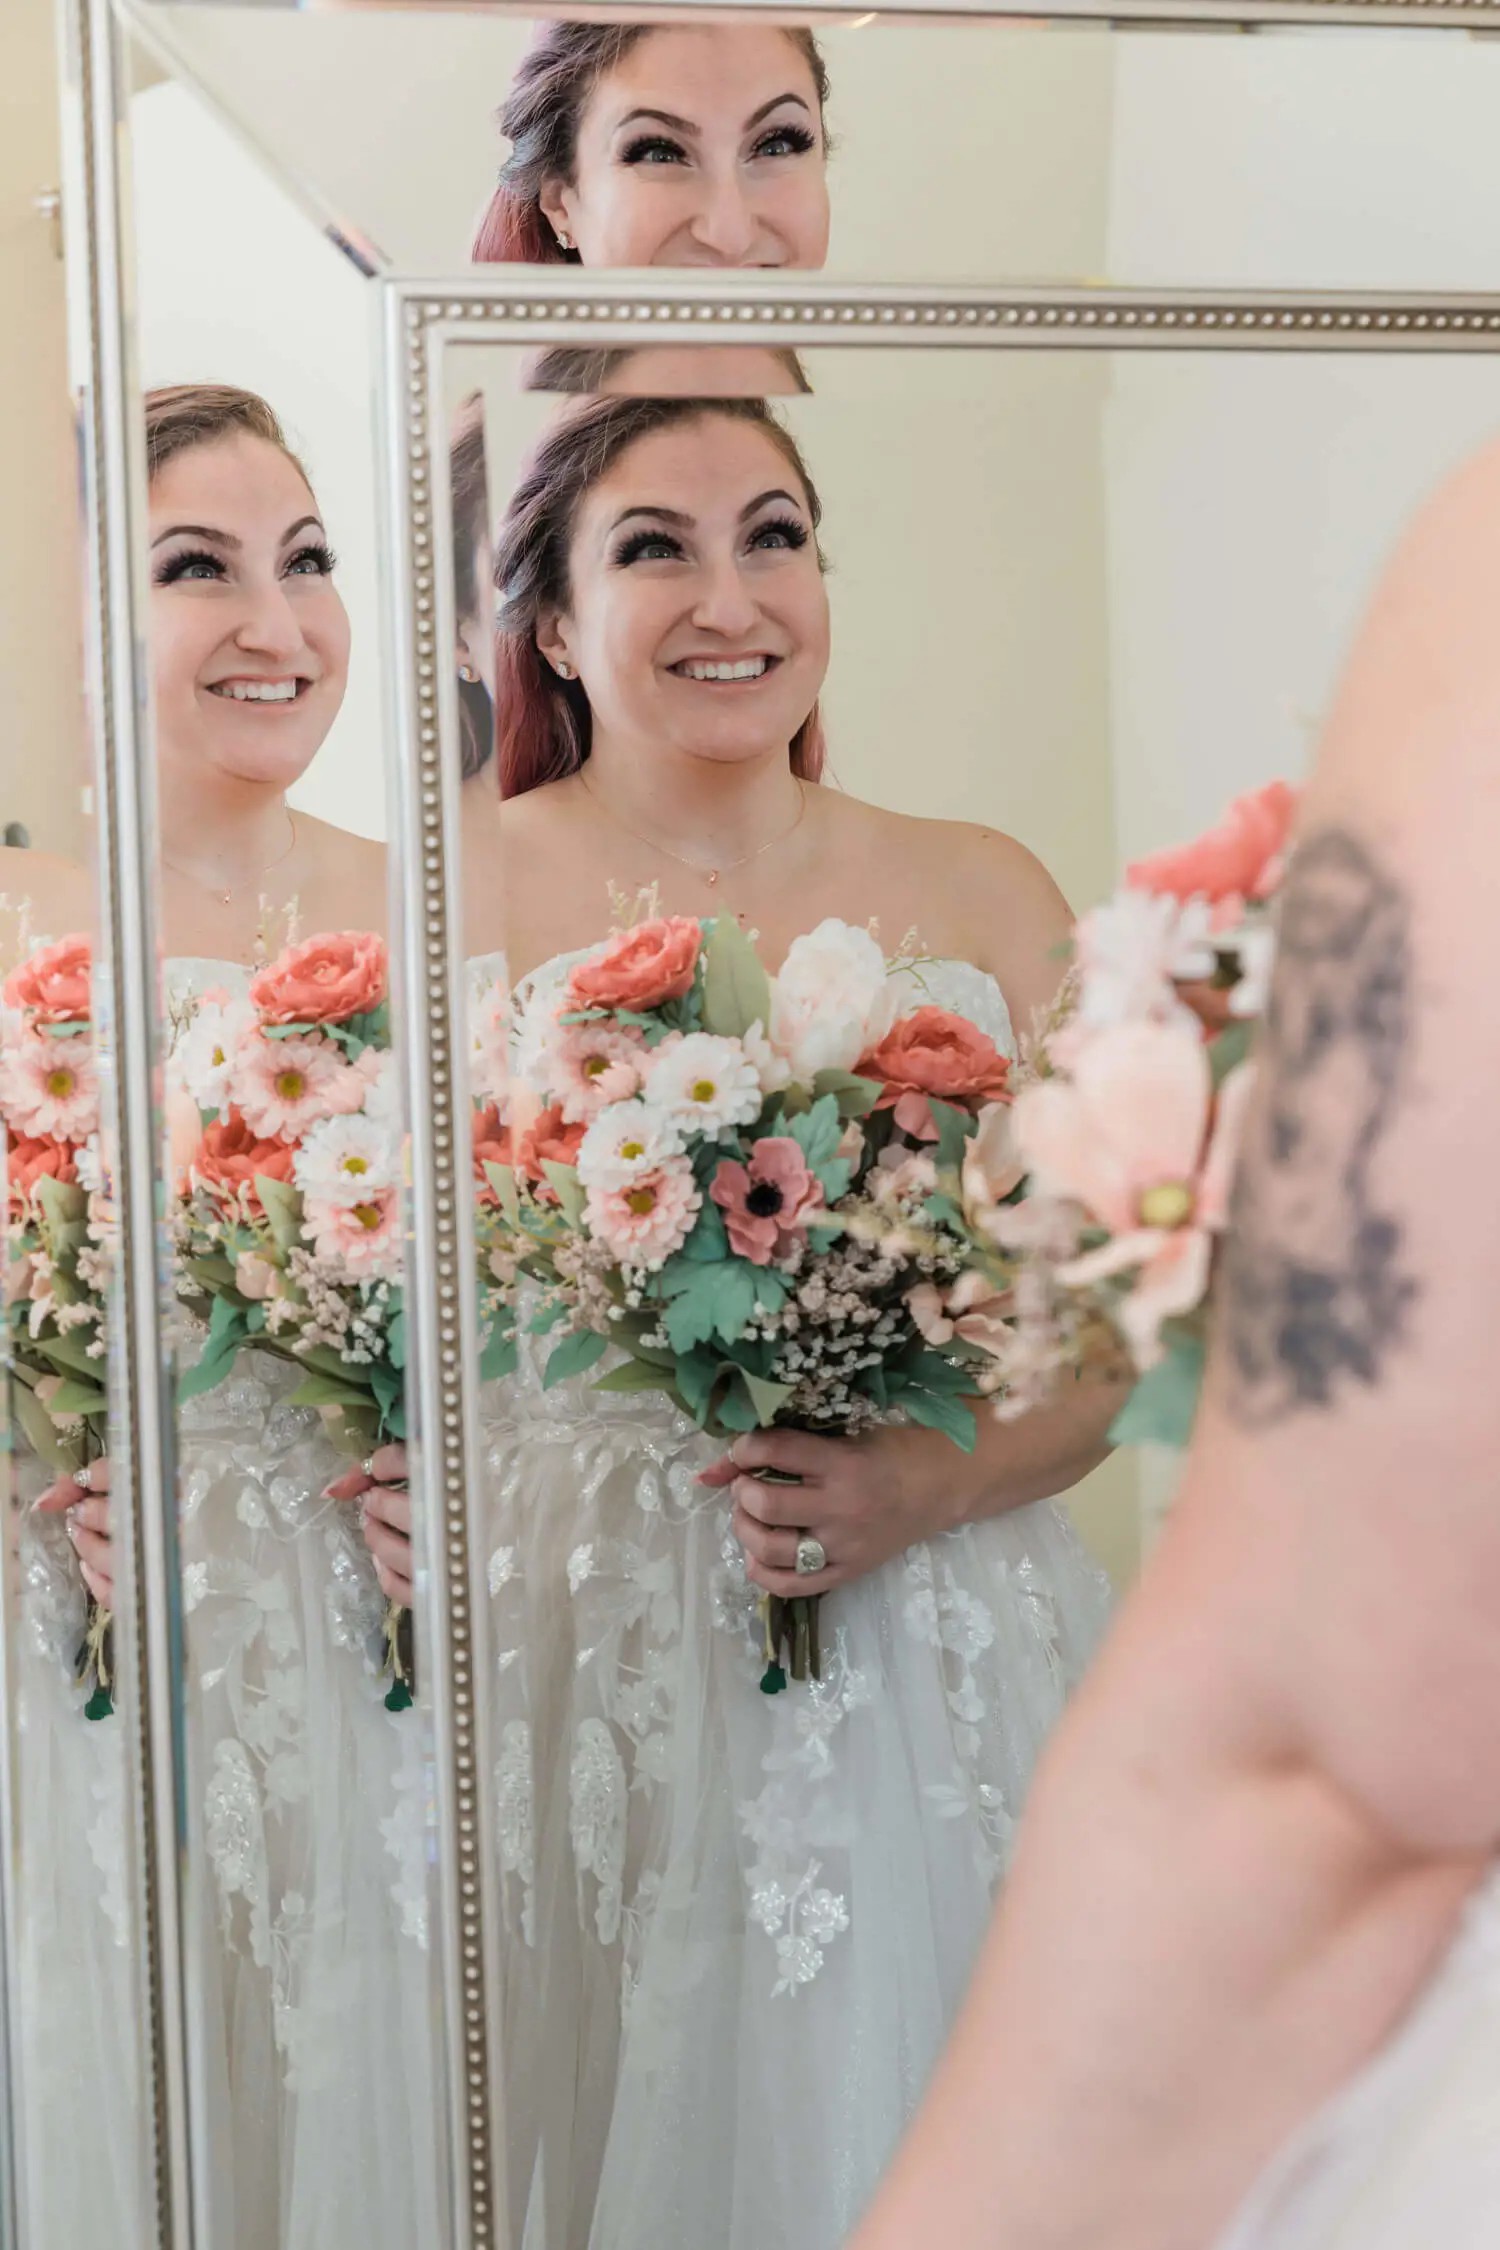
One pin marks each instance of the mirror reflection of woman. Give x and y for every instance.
(737, 1927)
(303, 1974)
(699, 145)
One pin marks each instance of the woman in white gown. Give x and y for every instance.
(308, 1846)
(1254, 1922)
(737, 1925)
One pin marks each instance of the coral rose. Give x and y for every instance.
(53, 986)
(493, 1144)
(548, 1140)
(328, 979)
(934, 1055)
(640, 968)
(1240, 859)
(229, 1156)
(28, 1161)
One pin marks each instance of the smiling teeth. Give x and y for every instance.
(258, 691)
(748, 668)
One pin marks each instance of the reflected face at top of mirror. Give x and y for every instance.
(640, 145)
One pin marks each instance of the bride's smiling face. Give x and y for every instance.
(697, 619)
(703, 147)
(249, 639)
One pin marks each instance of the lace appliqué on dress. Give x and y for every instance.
(596, 1805)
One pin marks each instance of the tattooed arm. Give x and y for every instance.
(1252, 1836)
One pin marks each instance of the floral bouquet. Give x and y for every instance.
(287, 1223)
(723, 1176)
(60, 1227)
(1125, 1134)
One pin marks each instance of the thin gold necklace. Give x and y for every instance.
(226, 897)
(709, 875)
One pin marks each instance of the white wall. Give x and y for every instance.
(236, 286)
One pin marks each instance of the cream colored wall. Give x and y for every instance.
(42, 737)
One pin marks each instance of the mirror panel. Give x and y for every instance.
(1297, 158)
(1077, 598)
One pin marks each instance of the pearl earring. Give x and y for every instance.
(564, 669)
(564, 240)
(467, 674)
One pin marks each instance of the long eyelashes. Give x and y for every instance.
(656, 148)
(197, 563)
(660, 546)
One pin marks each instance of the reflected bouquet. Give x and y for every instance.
(287, 1222)
(1125, 1131)
(718, 1177)
(60, 1236)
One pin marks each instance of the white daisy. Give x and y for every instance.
(704, 1084)
(345, 1161)
(205, 1055)
(623, 1144)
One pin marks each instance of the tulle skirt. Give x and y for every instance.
(738, 1926)
(309, 1805)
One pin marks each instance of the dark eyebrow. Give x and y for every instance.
(226, 539)
(199, 531)
(761, 499)
(686, 125)
(684, 523)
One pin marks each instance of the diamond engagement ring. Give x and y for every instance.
(81, 1478)
(812, 1556)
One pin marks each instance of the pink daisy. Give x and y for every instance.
(282, 1086)
(49, 1088)
(357, 1241)
(594, 1064)
(643, 1223)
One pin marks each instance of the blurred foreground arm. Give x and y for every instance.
(1252, 1835)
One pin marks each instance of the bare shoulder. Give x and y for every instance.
(342, 850)
(57, 893)
(997, 904)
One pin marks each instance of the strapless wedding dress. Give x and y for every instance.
(737, 1928)
(1408, 2157)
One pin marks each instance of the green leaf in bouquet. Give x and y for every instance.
(65, 1030)
(768, 1399)
(736, 989)
(41, 1432)
(387, 1387)
(226, 1333)
(818, 1133)
(708, 1300)
(697, 1373)
(937, 1410)
(213, 1274)
(64, 1203)
(575, 1355)
(708, 1241)
(855, 1096)
(395, 1337)
(1229, 1050)
(283, 1208)
(543, 1322)
(501, 1354)
(955, 1128)
(733, 1407)
(943, 1211)
(502, 1179)
(833, 1178)
(563, 1180)
(638, 1375)
(1162, 1407)
(327, 1390)
(70, 1352)
(772, 1288)
(72, 1399)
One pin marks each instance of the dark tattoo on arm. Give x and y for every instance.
(1318, 1293)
